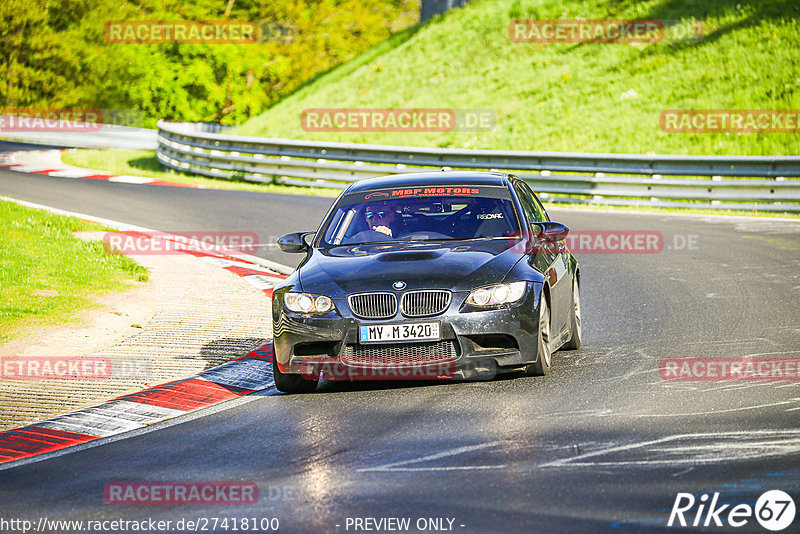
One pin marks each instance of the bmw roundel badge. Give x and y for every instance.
(399, 285)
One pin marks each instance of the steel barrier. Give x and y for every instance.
(767, 183)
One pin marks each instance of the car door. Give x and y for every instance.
(564, 275)
(552, 261)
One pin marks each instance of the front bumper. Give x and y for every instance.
(469, 340)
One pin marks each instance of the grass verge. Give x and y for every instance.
(144, 163)
(688, 211)
(574, 97)
(47, 274)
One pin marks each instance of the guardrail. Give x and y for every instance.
(766, 183)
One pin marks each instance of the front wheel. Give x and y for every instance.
(543, 353)
(290, 383)
(576, 337)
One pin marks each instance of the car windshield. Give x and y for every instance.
(420, 218)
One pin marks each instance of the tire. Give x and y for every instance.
(576, 336)
(543, 353)
(290, 383)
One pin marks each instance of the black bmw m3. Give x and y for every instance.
(430, 275)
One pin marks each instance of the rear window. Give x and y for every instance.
(425, 213)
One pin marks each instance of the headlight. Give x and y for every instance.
(497, 295)
(306, 303)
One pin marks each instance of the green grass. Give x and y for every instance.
(588, 97)
(144, 163)
(656, 209)
(47, 274)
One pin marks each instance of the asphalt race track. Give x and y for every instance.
(601, 444)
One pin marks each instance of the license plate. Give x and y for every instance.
(398, 332)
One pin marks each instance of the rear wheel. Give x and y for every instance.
(290, 383)
(543, 354)
(576, 338)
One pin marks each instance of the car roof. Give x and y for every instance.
(445, 178)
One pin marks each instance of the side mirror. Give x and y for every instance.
(550, 231)
(295, 242)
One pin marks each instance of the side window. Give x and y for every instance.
(541, 213)
(533, 210)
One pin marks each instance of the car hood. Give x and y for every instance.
(458, 266)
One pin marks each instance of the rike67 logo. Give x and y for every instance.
(774, 511)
